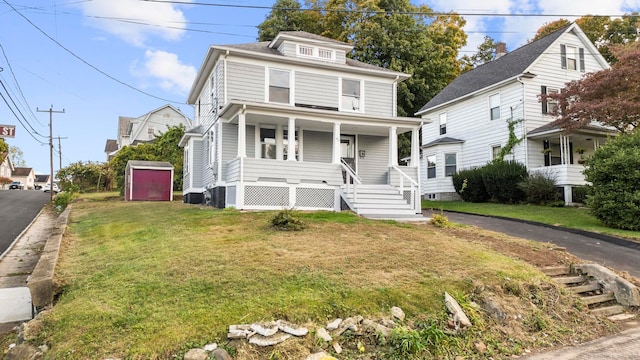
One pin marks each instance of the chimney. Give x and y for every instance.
(501, 49)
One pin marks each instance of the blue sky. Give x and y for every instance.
(101, 59)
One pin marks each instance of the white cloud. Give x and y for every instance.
(134, 21)
(168, 71)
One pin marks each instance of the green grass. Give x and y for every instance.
(570, 217)
(149, 280)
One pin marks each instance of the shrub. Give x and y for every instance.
(441, 221)
(62, 200)
(614, 171)
(469, 185)
(501, 179)
(288, 219)
(579, 193)
(540, 188)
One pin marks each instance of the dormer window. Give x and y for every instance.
(315, 52)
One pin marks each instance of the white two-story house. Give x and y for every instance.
(145, 128)
(294, 123)
(468, 119)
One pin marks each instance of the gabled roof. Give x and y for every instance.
(493, 72)
(123, 125)
(7, 159)
(111, 146)
(22, 171)
(443, 140)
(554, 127)
(42, 178)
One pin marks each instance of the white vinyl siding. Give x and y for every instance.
(248, 81)
(378, 98)
(318, 146)
(316, 89)
(229, 144)
(373, 168)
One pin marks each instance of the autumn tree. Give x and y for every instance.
(550, 27)
(287, 15)
(486, 52)
(16, 156)
(610, 97)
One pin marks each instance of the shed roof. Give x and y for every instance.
(154, 164)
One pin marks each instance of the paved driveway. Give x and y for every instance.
(615, 253)
(17, 210)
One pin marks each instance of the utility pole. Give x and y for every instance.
(60, 149)
(51, 111)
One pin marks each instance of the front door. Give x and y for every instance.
(348, 150)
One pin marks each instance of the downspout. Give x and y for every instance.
(524, 127)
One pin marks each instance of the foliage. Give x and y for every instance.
(486, 52)
(16, 156)
(5, 180)
(393, 34)
(441, 221)
(513, 139)
(540, 188)
(406, 342)
(62, 200)
(580, 193)
(604, 32)
(85, 177)
(288, 219)
(469, 185)
(4, 149)
(614, 171)
(163, 148)
(501, 179)
(610, 97)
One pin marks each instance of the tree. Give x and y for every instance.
(611, 96)
(550, 27)
(85, 177)
(4, 150)
(288, 16)
(486, 52)
(16, 156)
(163, 148)
(613, 171)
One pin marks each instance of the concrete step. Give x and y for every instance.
(608, 310)
(571, 279)
(592, 286)
(596, 299)
(557, 270)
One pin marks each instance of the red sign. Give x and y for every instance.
(7, 131)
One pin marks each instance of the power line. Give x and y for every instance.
(20, 121)
(17, 108)
(86, 62)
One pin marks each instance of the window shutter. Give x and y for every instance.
(543, 90)
(582, 60)
(563, 56)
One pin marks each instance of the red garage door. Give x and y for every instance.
(151, 184)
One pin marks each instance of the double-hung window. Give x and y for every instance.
(494, 106)
(279, 86)
(443, 123)
(572, 58)
(268, 143)
(431, 167)
(449, 164)
(350, 95)
(550, 105)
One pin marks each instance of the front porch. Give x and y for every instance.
(322, 165)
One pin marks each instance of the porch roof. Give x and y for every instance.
(555, 128)
(316, 119)
(443, 140)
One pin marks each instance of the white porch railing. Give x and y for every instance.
(352, 180)
(564, 174)
(412, 182)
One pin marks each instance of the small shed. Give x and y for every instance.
(148, 181)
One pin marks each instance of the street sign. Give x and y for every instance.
(7, 131)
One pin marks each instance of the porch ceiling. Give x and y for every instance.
(318, 120)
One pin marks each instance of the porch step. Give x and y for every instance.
(379, 201)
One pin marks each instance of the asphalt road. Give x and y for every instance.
(624, 256)
(17, 209)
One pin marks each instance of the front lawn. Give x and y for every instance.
(149, 280)
(570, 217)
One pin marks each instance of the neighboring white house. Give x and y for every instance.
(294, 123)
(26, 175)
(6, 169)
(468, 119)
(40, 181)
(132, 131)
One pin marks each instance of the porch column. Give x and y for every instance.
(279, 146)
(256, 140)
(291, 140)
(336, 143)
(242, 138)
(415, 148)
(393, 146)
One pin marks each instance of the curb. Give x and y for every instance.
(40, 282)
(22, 233)
(629, 244)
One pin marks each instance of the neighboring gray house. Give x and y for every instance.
(294, 123)
(132, 131)
(467, 121)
